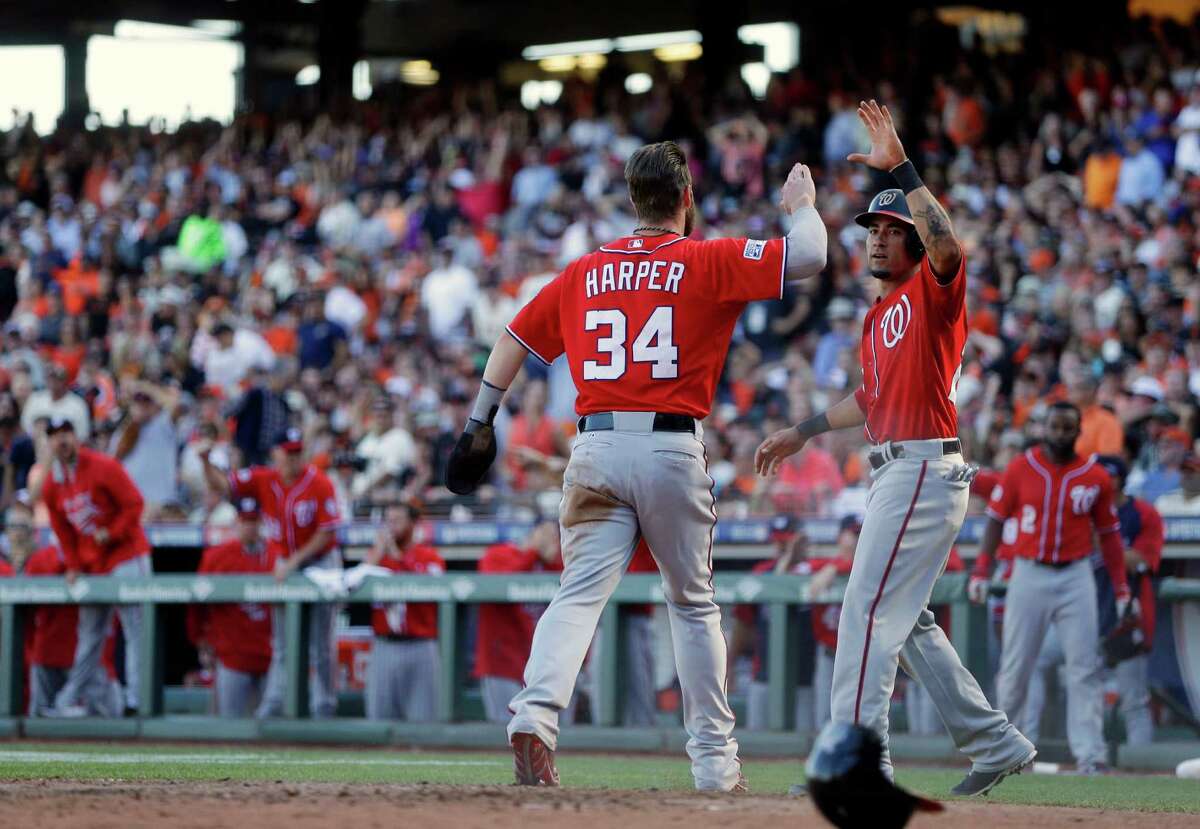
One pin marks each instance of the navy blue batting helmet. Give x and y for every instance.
(847, 783)
(892, 204)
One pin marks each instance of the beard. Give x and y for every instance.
(881, 274)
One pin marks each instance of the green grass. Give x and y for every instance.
(157, 762)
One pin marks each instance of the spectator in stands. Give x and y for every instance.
(17, 453)
(1186, 501)
(1166, 476)
(232, 355)
(405, 669)
(57, 401)
(96, 511)
(387, 448)
(1100, 432)
(534, 442)
(147, 443)
(236, 636)
(322, 342)
(1141, 177)
(825, 617)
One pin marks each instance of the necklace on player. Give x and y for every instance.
(659, 229)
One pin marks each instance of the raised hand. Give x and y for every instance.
(798, 191)
(886, 149)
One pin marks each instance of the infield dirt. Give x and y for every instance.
(245, 805)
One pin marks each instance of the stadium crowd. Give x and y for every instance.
(221, 283)
(190, 296)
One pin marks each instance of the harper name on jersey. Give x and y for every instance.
(624, 276)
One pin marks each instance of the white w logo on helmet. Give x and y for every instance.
(886, 198)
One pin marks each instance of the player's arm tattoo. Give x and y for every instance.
(937, 234)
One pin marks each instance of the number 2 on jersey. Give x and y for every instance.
(652, 345)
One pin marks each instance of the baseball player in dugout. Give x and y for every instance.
(1058, 499)
(645, 322)
(238, 636)
(51, 637)
(96, 513)
(402, 679)
(912, 345)
(300, 519)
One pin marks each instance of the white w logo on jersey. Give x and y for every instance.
(1083, 498)
(895, 322)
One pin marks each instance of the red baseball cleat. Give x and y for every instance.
(533, 763)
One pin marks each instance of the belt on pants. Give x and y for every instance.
(605, 421)
(401, 637)
(890, 451)
(1056, 565)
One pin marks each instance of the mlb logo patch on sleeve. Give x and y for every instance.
(636, 243)
(754, 249)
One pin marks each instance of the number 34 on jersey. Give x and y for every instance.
(646, 321)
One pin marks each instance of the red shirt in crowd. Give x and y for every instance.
(505, 631)
(522, 433)
(51, 641)
(912, 350)
(416, 619)
(650, 318)
(1056, 508)
(291, 515)
(240, 634)
(97, 493)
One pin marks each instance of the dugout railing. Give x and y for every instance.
(453, 592)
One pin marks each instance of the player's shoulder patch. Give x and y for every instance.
(997, 492)
(243, 475)
(754, 249)
(636, 243)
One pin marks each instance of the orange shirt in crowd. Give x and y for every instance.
(282, 339)
(1099, 433)
(1100, 173)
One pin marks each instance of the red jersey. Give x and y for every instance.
(825, 617)
(505, 631)
(1056, 506)
(415, 619)
(6, 570)
(97, 493)
(912, 349)
(240, 634)
(51, 641)
(291, 515)
(521, 433)
(650, 318)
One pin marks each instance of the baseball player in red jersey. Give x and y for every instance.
(300, 520)
(505, 631)
(238, 634)
(51, 634)
(405, 668)
(912, 345)
(645, 322)
(1058, 499)
(96, 514)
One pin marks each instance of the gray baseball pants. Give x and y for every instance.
(620, 484)
(44, 685)
(403, 679)
(322, 700)
(95, 621)
(1039, 597)
(913, 516)
(237, 692)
